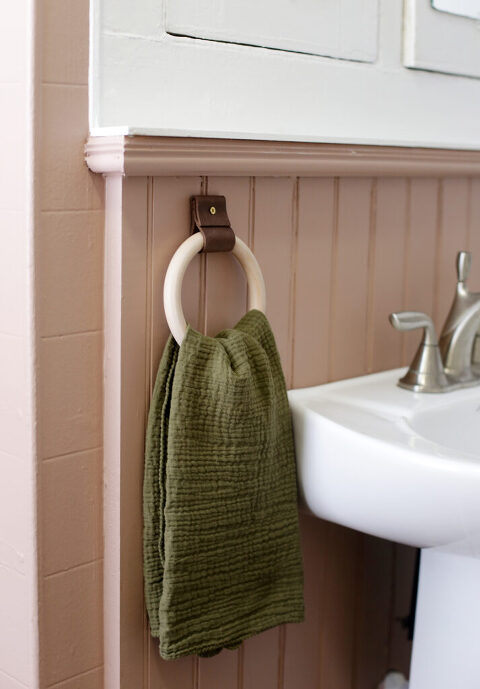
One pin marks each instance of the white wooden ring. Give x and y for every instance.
(172, 287)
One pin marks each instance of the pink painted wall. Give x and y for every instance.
(18, 637)
(69, 316)
(51, 252)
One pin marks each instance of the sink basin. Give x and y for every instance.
(406, 467)
(366, 447)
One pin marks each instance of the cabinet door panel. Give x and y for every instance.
(442, 41)
(344, 29)
(464, 8)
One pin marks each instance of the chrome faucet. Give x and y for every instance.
(448, 364)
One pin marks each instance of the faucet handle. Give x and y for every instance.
(464, 262)
(411, 320)
(426, 372)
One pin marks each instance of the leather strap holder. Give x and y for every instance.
(209, 216)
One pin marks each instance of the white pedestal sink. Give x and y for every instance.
(405, 466)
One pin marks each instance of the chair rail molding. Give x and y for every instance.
(170, 156)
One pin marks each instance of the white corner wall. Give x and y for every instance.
(18, 570)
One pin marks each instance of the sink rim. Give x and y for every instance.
(402, 408)
(414, 495)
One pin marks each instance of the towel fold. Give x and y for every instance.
(222, 556)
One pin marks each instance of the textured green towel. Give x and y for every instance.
(222, 556)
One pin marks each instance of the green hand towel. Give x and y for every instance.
(222, 557)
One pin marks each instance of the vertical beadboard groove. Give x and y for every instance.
(149, 381)
(281, 656)
(469, 213)
(240, 667)
(149, 277)
(438, 250)
(371, 276)
(250, 242)
(391, 612)
(474, 232)
(170, 228)
(202, 312)
(406, 253)
(202, 318)
(195, 672)
(333, 276)
(359, 569)
(251, 224)
(293, 282)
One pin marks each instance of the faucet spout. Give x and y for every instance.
(457, 339)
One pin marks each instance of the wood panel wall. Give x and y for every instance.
(338, 255)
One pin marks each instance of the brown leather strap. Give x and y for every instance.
(210, 217)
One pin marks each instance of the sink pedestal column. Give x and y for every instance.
(446, 642)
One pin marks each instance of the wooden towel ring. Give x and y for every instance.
(172, 288)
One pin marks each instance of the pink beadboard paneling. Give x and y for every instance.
(272, 245)
(452, 235)
(387, 273)
(338, 254)
(338, 623)
(317, 199)
(263, 660)
(224, 274)
(169, 674)
(170, 226)
(170, 223)
(218, 672)
(348, 306)
(473, 241)
(422, 222)
(302, 647)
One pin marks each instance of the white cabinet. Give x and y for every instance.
(344, 71)
(443, 36)
(462, 8)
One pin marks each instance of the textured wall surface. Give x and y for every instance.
(18, 638)
(338, 255)
(69, 322)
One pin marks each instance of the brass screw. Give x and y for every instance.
(213, 210)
